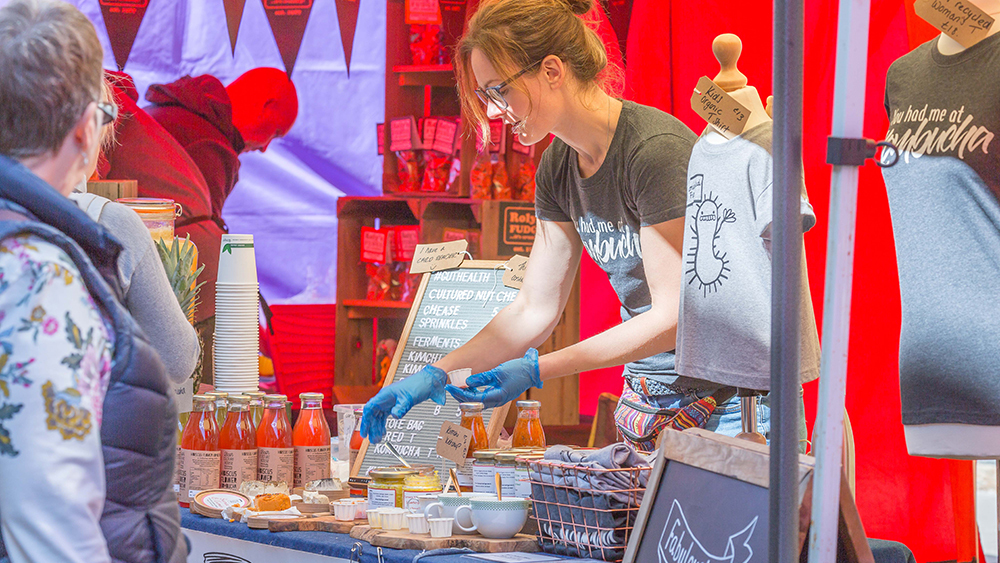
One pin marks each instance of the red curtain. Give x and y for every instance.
(924, 503)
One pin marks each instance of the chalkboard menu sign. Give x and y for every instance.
(450, 307)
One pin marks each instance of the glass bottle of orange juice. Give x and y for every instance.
(472, 419)
(238, 444)
(221, 406)
(528, 431)
(275, 454)
(199, 469)
(311, 439)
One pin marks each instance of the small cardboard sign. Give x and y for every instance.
(439, 256)
(404, 134)
(961, 20)
(407, 237)
(374, 245)
(423, 12)
(513, 275)
(380, 134)
(428, 127)
(718, 108)
(444, 136)
(453, 442)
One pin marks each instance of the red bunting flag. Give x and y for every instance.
(347, 14)
(288, 20)
(122, 19)
(234, 13)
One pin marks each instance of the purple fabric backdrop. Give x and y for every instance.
(286, 197)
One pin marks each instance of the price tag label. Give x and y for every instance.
(429, 125)
(444, 136)
(513, 275)
(407, 237)
(439, 256)
(961, 20)
(453, 442)
(423, 11)
(380, 134)
(718, 108)
(374, 245)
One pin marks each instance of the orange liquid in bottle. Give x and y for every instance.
(311, 439)
(201, 434)
(472, 419)
(238, 442)
(528, 431)
(275, 455)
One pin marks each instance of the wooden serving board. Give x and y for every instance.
(317, 524)
(403, 539)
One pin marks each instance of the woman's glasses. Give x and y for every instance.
(493, 95)
(108, 112)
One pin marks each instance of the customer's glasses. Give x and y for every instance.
(493, 95)
(108, 112)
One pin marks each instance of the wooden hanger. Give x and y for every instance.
(727, 49)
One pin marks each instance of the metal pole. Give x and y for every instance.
(848, 122)
(786, 279)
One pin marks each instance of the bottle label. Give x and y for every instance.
(483, 478)
(200, 472)
(311, 463)
(178, 462)
(507, 484)
(238, 466)
(275, 464)
(522, 485)
(464, 473)
(381, 498)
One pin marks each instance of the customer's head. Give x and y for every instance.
(541, 52)
(265, 106)
(50, 88)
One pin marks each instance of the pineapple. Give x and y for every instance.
(180, 262)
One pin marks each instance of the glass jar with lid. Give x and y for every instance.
(472, 419)
(221, 400)
(522, 475)
(386, 487)
(157, 215)
(484, 472)
(528, 431)
(505, 464)
(425, 481)
(256, 406)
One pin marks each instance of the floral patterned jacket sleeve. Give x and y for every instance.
(55, 362)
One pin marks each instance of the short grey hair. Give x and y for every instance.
(50, 71)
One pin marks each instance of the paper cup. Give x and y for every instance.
(237, 263)
(440, 527)
(417, 524)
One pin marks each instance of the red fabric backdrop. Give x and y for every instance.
(913, 500)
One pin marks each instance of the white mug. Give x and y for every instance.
(446, 506)
(492, 518)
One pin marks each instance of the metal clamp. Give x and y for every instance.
(854, 152)
(356, 552)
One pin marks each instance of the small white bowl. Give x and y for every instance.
(417, 523)
(374, 518)
(392, 518)
(440, 527)
(344, 511)
(361, 505)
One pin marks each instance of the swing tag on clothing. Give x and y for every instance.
(513, 275)
(961, 20)
(437, 257)
(718, 108)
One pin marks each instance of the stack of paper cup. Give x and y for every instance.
(236, 316)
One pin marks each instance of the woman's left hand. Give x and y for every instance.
(501, 384)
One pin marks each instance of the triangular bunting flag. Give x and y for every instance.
(288, 20)
(347, 13)
(122, 19)
(234, 13)
(620, 14)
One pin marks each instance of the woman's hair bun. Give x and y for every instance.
(579, 7)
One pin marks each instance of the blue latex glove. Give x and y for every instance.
(501, 384)
(397, 399)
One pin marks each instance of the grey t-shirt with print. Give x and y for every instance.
(944, 197)
(640, 183)
(724, 331)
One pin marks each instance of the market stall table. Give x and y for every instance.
(212, 539)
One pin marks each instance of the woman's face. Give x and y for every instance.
(524, 113)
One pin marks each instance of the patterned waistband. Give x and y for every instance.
(651, 387)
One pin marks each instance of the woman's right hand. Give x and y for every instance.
(397, 399)
(501, 384)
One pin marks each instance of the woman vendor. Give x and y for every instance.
(612, 182)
